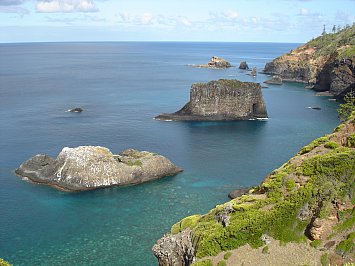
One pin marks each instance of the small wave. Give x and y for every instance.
(262, 119)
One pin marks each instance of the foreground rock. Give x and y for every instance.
(326, 63)
(310, 196)
(216, 62)
(222, 100)
(275, 80)
(238, 192)
(90, 167)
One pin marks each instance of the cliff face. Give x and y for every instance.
(222, 100)
(326, 63)
(89, 167)
(309, 198)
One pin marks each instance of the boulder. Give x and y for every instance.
(238, 192)
(177, 250)
(275, 80)
(253, 72)
(221, 100)
(243, 65)
(90, 167)
(75, 110)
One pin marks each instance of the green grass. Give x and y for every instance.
(313, 145)
(222, 263)
(203, 263)
(346, 246)
(324, 259)
(351, 141)
(316, 243)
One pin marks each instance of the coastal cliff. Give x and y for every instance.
(326, 63)
(308, 202)
(90, 167)
(221, 100)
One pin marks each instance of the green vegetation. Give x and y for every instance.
(346, 246)
(316, 243)
(347, 107)
(351, 141)
(135, 163)
(203, 263)
(227, 255)
(331, 145)
(341, 43)
(313, 145)
(222, 263)
(324, 259)
(4, 263)
(273, 207)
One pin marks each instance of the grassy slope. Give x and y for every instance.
(319, 179)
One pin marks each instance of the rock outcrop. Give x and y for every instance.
(221, 100)
(90, 167)
(326, 63)
(275, 80)
(177, 250)
(243, 65)
(216, 62)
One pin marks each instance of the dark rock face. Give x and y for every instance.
(221, 100)
(175, 250)
(89, 167)
(333, 75)
(275, 80)
(238, 192)
(243, 65)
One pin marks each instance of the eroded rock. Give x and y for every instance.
(90, 167)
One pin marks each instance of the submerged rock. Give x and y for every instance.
(243, 65)
(221, 100)
(90, 167)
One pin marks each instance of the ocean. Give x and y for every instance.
(122, 86)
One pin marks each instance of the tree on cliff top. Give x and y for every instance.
(347, 107)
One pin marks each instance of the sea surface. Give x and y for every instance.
(121, 86)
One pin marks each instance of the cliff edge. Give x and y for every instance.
(222, 99)
(326, 63)
(308, 200)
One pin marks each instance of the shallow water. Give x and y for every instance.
(121, 87)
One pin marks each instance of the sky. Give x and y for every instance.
(293, 21)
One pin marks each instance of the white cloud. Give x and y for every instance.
(65, 6)
(147, 18)
(304, 12)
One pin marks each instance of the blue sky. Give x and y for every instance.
(183, 20)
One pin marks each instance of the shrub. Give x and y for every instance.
(4, 263)
(290, 184)
(227, 255)
(347, 107)
(346, 246)
(265, 250)
(135, 163)
(203, 263)
(222, 263)
(331, 145)
(351, 141)
(323, 259)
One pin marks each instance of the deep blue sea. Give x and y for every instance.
(121, 87)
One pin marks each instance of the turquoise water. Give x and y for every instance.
(121, 87)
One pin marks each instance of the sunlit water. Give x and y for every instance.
(121, 87)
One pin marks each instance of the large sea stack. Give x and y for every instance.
(221, 100)
(90, 167)
(326, 63)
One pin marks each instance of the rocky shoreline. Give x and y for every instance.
(309, 198)
(325, 64)
(91, 167)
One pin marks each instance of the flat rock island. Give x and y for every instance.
(90, 167)
(221, 100)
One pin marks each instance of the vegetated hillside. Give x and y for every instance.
(309, 198)
(326, 63)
